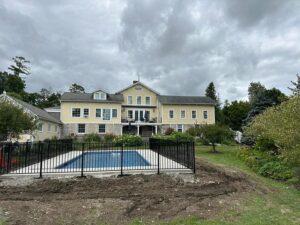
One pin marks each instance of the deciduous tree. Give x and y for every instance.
(13, 120)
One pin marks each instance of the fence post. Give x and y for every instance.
(158, 153)
(194, 157)
(122, 151)
(41, 159)
(82, 159)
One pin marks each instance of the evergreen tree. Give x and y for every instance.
(211, 91)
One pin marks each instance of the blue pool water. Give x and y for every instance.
(105, 159)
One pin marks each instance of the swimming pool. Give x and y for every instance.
(105, 160)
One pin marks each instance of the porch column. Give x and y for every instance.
(138, 130)
(121, 129)
(155, 129)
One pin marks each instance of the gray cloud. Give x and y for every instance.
(177, 47)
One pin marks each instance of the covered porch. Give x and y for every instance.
(140, 129)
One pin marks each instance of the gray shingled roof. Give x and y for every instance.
(42, 114)
(168, 99)
(88, 97)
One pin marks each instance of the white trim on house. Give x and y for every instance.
(173, 114)
(79, 112)
(182, 127)
(137, 100)
(182, 110)
(146, 100)
(78, 128)
(196, 116)
(129, 103)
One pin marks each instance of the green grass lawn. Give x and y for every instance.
(280, 206)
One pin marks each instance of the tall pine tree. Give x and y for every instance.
(212, 93)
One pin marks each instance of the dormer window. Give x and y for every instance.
(100, 95)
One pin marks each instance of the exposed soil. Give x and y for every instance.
(119, 200)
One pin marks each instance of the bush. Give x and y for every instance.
(109, 137)
(193, 131)
(266, 145)
(280, 124)
(91, 137)
(182, 136)
(169, 131)
(128, 140)
(276, 170)
(176, 136)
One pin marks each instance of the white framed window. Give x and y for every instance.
(138, 100)
(40, 127)
(194, 114)
(76, 112)
(97, 96)
(148, 100)
(103, 96)
(130, 114)
(129, 100)
(182, 114)
(101, 128)
(205, 114)
(86, 112)
(114, 113)
(179, 128)
(106, 114)
(171, 114)
(81, 128)
(100, 96)
(49, 127)
(98, 113)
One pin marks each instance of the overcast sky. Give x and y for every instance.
(177, 47)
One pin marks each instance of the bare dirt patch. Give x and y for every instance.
(119, 200)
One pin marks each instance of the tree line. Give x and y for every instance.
(239, 114)
(13, 82)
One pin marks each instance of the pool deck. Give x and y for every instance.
(49, 166)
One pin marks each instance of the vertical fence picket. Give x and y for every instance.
(122, 152)
(158, 154)
(82, 159)
(41, 159)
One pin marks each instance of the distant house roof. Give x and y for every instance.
(137, 83)
(88, 97)
(42, 114)
(168, 99)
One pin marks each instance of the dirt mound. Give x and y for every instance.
(118, 200)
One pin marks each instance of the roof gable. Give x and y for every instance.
(40, 113)
(136, 84)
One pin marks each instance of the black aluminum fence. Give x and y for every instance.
(69, 157)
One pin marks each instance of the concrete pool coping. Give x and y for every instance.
(49, 166)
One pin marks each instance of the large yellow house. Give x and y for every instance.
(135, 109)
